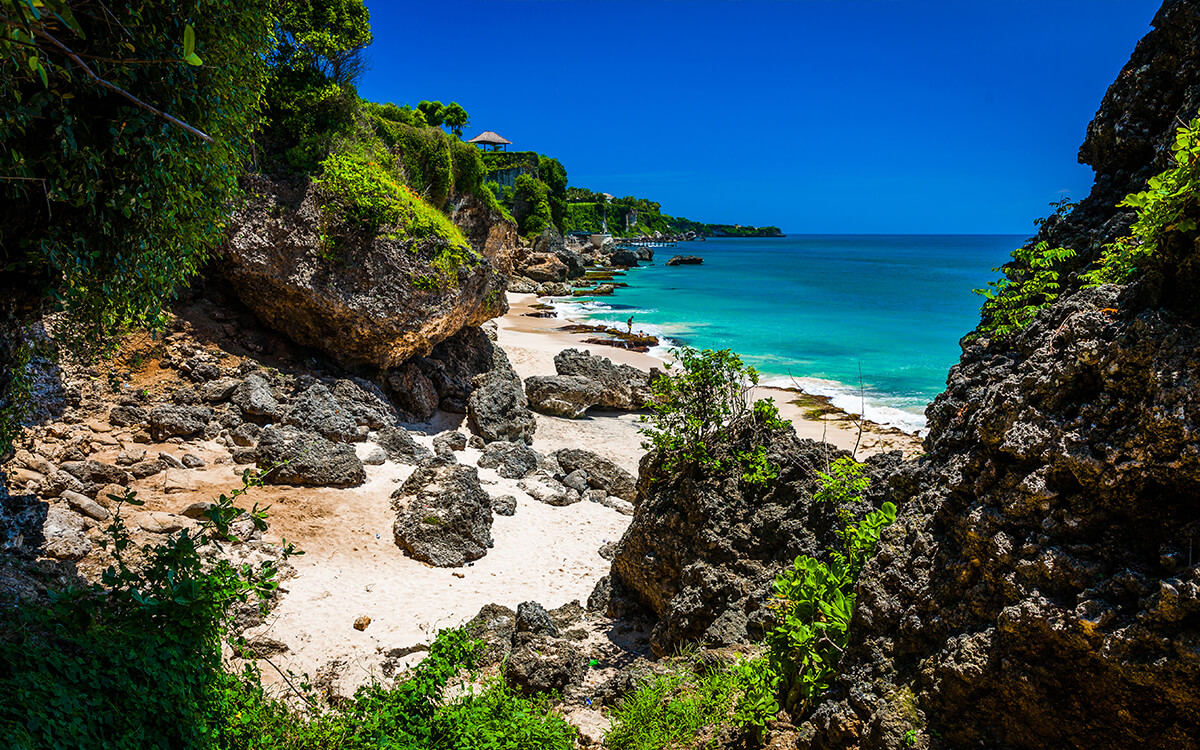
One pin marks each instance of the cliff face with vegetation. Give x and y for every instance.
(1040, 587)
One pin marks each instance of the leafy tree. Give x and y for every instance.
(531, 204)
(323, 36)
(106, 205)
(554, 175)
(317, 58)
(455, 118)
(434, 112)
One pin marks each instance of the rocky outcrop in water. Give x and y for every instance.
(357, 303)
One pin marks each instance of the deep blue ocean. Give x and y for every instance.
(811, 310)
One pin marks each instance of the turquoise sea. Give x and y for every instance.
(811, 310)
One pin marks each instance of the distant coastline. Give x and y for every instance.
(808, 311)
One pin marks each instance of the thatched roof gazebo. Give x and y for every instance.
(489, 138)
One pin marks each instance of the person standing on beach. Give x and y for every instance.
(629, 323)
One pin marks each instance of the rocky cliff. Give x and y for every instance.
(1041, 588)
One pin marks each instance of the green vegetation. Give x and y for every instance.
(136, 663)
(702, 393)
(1169, 204)
(108, 205)
(815, 599)
(310, 98)
(688, 706)
(531, 205)
(1029, 284)
(414, 715)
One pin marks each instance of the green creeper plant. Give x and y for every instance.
(1167, 204)
(1030, 283)
(814, 599)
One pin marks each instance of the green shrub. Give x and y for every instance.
(1030, 284)
(701, 393)
(363, 189)
(135, 663)
(684, 706)
(1168, 204)
(814, 599)
(413, 715)
(531, 205)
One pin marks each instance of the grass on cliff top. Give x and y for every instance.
(364, 195)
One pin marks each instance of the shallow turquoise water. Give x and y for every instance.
(817, 308)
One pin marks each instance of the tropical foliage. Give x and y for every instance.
(121, 157)
(1168, 204)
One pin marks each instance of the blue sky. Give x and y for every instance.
(818, 116)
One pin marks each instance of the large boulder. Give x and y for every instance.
(443, 517)
(292, 456)
(360, 306)
(544, 267)
(567, 396)
(497, 408)
(316, 410)
(602, 474)
(621, 386)
(703, 548)
(685, 260)
(623, 258)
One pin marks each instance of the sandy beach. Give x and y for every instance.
(352, 567)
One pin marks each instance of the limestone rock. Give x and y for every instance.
(703, 549)
(510, 460)
(547, 490)
(497, 408)
(316, 410)
(64, 534)
(621, 386)
(363, 308)
(544, 267)
(444, 517)
(567, 396)
(602, 474)
(446, 443)
(178, 421)
(254, 397)
(400, 446)
(505, 505)
(292, 456)
(83, 504)
(623, 258)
